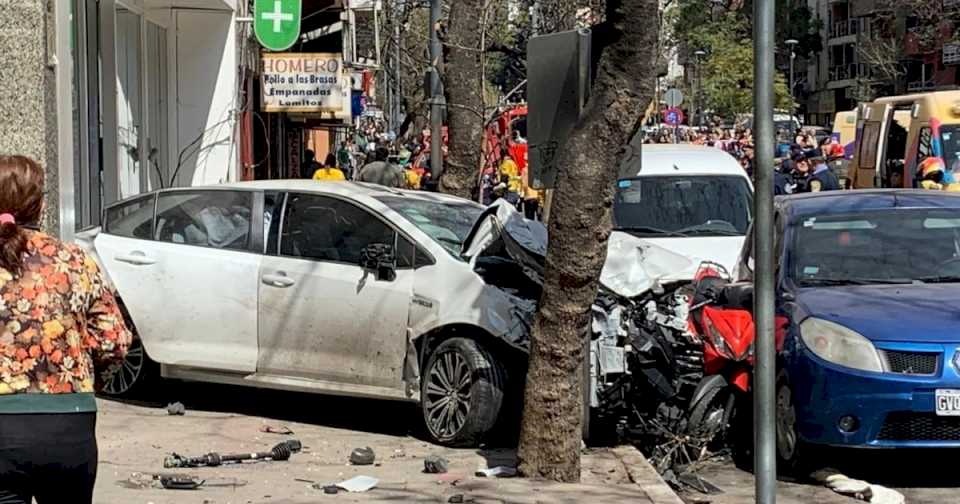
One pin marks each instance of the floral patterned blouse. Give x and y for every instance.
(57, 319)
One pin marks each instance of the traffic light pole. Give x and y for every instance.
(764, 398)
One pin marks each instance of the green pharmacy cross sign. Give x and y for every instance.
(276, 23)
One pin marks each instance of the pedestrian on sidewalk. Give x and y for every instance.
(310, 164)
(57, 318)
(328, 171)
(381, 171)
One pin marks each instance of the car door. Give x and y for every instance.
(872, 127)
(190, 285)
(322, 316)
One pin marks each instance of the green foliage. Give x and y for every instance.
(727, 69)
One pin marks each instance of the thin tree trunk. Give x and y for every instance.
(579, 228)
(462, 78)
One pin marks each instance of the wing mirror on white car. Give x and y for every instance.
(379, 259)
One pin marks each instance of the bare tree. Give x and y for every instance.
(579, 228)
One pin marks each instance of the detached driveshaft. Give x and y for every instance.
(281, 451)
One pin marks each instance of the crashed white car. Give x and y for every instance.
(340, 288)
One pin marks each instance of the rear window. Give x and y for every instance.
(132, 218)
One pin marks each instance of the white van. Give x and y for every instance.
(692, 200)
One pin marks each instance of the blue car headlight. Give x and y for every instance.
(839, 345)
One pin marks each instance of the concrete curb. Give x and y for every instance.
(645, 476)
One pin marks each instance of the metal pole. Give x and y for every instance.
(436, 105)
(693, 95)
(793, 86)
(764, 395)
(398, 91)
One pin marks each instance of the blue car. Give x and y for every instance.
(868, 283)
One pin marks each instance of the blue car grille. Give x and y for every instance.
(911, 426)
(913, 363)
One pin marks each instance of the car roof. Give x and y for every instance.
(843, 202)
(341, 188)
(680, 159)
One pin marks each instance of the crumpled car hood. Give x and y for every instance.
(633, 265)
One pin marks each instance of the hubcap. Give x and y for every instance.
(447, 401)
(786, 424)
(127, 373)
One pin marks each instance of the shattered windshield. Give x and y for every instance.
(879, 247)
(447, 223)
(682, 206)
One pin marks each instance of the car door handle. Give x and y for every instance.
(136, 258)
(278, 280)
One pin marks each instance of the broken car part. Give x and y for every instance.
(434, 464)
(362, 456)
(280, 452)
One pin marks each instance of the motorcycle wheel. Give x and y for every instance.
(710, 416)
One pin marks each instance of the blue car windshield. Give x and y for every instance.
(877, 247)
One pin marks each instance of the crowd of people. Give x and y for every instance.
(803, 164)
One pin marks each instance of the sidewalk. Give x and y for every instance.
(135, 439)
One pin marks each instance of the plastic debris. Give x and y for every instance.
(857, 489)
(398, 453)
(362, 456)
(358, 483)
(497, 472)
(176, 408)
(435, 465)
(279, 429)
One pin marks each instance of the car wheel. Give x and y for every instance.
(132, 376)
(791, 450)
(461, 392)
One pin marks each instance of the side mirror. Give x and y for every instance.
(738, 295)
(379, 258)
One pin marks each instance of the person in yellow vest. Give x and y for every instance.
(510, 174)
(531, 197)
(329, 170)
(410, 176)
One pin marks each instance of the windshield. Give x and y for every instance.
(447, 223)
(699, 205)
(951, 146)
(884, 246)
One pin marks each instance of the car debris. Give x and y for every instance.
(280, 452)
(278, 429)
(497, 472)
(646, 364)
(435, 464)
(177, 481)
(857, 489)
(358, 483)
(176, 409)
(362, 456)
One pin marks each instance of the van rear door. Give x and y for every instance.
(873, 121)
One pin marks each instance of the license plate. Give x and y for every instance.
(948, 402)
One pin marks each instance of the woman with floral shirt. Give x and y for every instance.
(58, 319)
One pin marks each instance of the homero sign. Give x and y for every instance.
(277, 23)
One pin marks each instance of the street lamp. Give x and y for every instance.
(698, 95)
(792, 44)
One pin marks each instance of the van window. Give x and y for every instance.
(700, 205)
(868, 145)
(951, 146)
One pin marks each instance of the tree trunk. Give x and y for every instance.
(463, 81)
(579, 227)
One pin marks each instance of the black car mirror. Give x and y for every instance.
(380, 259)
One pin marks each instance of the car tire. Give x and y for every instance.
(133, 377)
(793, 454)
(461, 393)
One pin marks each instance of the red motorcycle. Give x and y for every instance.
(721, 316)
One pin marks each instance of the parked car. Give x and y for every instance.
(871, 356)
(345, 288)
(692, 200)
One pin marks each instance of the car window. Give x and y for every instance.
(695, 205)
(448, 223)
(328, 229)
(868, 145)
(883, 246)
(133, 219)
(217, 219)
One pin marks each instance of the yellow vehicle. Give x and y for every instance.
(895, 134)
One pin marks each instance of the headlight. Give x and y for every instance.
(839, 345)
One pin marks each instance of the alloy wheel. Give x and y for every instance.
(786, 423)
(447, 398)
(126, 374)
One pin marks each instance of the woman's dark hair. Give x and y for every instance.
(21, 196)
(330, 162)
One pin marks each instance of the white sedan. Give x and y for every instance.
(339, 288)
